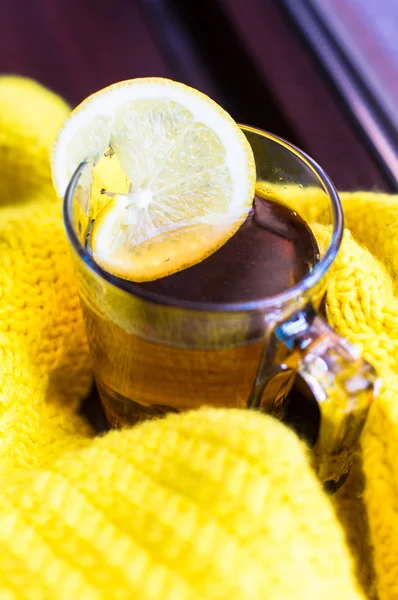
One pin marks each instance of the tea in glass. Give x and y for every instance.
(199, 269)
(137, 377)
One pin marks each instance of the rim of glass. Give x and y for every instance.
(308, 282)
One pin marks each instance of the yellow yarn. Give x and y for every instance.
(212, 504)
(30, 117)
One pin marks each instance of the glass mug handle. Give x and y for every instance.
(342, 383)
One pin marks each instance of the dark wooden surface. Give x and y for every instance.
(303, 94)
(245, 53)
(78, 46)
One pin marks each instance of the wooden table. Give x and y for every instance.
(245, 53)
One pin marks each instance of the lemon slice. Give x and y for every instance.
(182, 185)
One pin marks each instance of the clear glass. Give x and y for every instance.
(153, 354)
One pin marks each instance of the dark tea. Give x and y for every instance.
(139, 376)
(271, 252)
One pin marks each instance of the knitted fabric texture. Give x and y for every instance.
(207, 504)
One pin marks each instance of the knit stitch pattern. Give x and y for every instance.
(207, 504)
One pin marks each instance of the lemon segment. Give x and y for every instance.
(179, 179)
(107, 176)
(121, 245)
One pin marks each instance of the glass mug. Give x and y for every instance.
(153, 354)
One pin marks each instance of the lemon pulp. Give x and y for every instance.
(182, 179)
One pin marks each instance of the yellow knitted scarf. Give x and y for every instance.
(214, 504)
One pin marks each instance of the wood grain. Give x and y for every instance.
(301, 89)
(78, 46)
